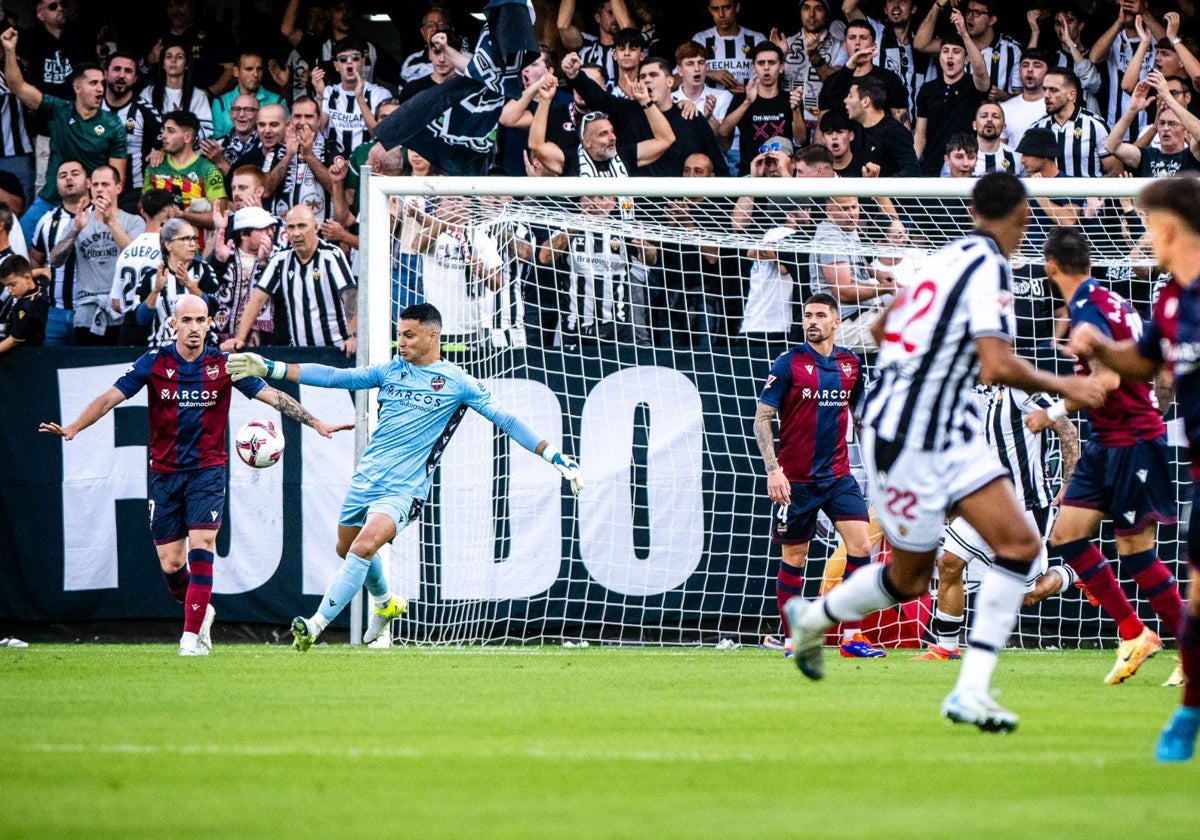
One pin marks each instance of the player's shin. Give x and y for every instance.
(342, 589)
(861, 594)
(199, 589)
(996, 608)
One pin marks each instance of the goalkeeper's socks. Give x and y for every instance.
(996, 607)
(947, 629)
(1096, 574)
(788, 584)
(342, 589)
(376, 581)
(199, 589)
(1157, 583)
(1189, 655)
(859, 595)
(177, 583)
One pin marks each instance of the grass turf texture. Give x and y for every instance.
(258, 741)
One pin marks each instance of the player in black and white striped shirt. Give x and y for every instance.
(1023, 454)
(925, 452)
(993, 155)
(1080, 133)
(727, 44)
(319, 291)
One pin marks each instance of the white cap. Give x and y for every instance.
(253, 218)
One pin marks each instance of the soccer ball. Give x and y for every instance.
(259, 443)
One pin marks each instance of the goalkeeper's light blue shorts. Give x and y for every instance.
(363, 498)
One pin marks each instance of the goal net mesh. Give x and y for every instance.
(632, 323)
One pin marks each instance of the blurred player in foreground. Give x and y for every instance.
(188, 395)
(422, 399)
(1172, 341)
(925, 452)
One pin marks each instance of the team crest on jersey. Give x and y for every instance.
(847, 368)
(212, 371)
(437, 383)
(99, 130)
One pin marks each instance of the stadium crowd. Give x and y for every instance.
(226, 163)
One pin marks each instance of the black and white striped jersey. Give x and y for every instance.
(14, 131)
(52, 229)
(1003, 159)
(1080, 142)
(601, 55)
(924, 396)
(729, 52)
(312, 293)
(1003, 60)
(1022, 452)
(143, 127)
(347, 128)
(1113, 101)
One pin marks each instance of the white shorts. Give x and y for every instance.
(911, 498)
(964, 541)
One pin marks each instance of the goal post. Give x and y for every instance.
(632, 322)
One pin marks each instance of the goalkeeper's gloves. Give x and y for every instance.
(242, 365)
(566, 465)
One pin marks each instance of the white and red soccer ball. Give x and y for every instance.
(259, 443)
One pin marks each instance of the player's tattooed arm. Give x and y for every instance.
(764, 435)
(1068, 438)
(287, 406)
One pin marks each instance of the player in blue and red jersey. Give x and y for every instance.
(1124, 470)
(188, 391)
(1171, 341)
(813, 389)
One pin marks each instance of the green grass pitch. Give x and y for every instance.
(257, 741)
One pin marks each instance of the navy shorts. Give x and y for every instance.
(1132, 484)
(186, 500)
(840, 498)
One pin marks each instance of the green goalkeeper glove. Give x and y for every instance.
(566, 465)
(242, 365)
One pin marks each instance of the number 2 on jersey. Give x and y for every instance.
(922, 297)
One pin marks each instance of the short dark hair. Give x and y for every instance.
(350, 42)
(765, 46)
(79, 69)
(964, 140)
(629, 37)
(7, 217)
(184, 119)
(1045, 56)
(872, 88)
(126, 54)
(1069, 77)
(1179, 196)
(813, 155)
(666, 66)
(859, 23)
(1067, 246)
(154, 201)
(425, 314)
(14, 264)
(836, 120)
(996, 195)
(823, 298)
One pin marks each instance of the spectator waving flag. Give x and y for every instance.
(461, 138)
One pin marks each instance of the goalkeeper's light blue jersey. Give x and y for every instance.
(419, 410)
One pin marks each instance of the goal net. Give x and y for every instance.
(632, 322)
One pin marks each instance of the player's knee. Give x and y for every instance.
(1023, 546)
(950, 568)
(906, 585)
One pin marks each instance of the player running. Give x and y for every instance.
(1171, 341)
(188, 395)
(925, 452)
(422, 399)
(1124, 469)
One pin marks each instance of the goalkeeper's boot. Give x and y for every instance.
(381, 618)
(937, 653)
(302, 635)
(859, 648)
(1177, 741)
(980, 709)
(1177, 678)
(806, 644)
(204, 637)
(1131, 654)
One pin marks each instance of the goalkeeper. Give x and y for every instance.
(422, 399)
